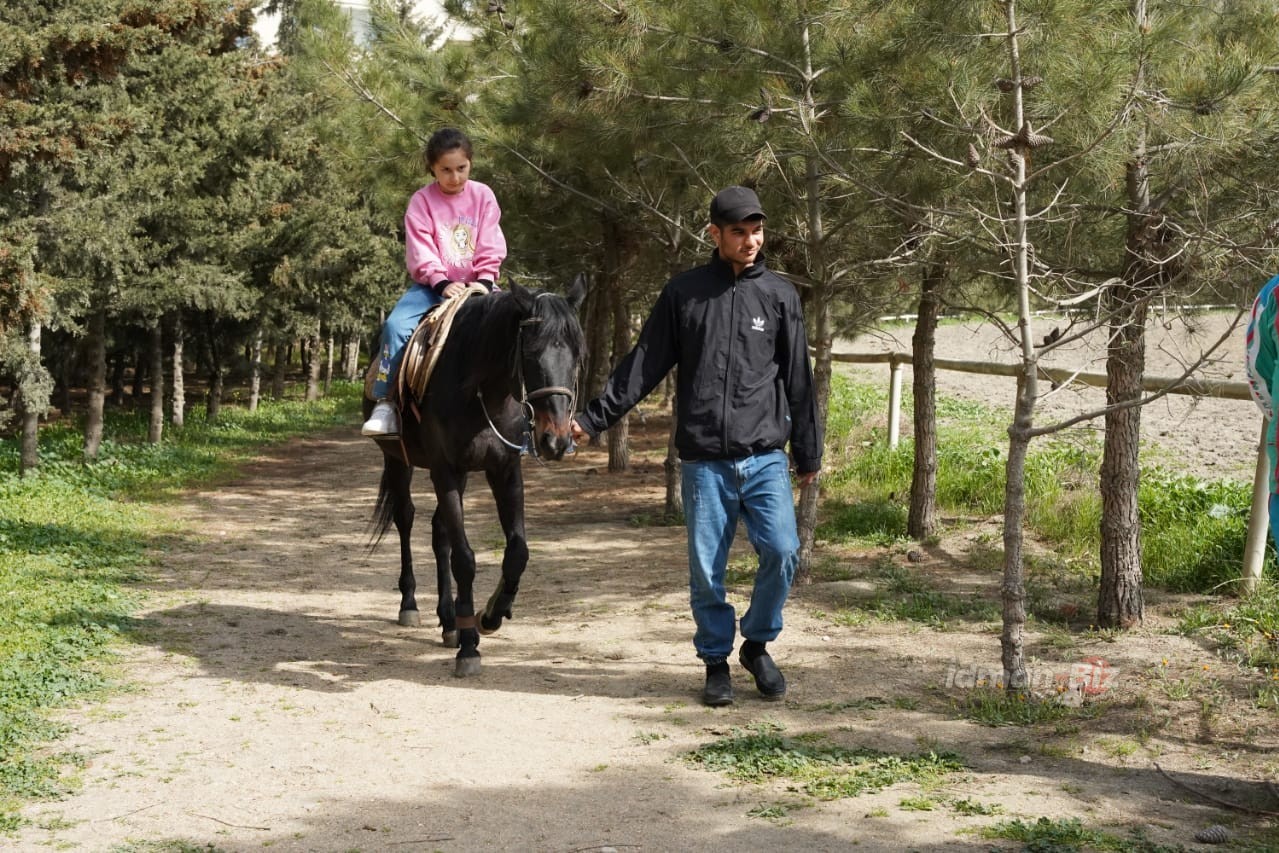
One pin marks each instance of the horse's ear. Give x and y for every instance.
(523, 297)
(577, 291)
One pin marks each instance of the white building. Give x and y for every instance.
(430, 11)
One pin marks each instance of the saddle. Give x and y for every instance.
(423, 349)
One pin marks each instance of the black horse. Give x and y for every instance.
(504, 383)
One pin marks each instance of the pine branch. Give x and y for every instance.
(794, 70)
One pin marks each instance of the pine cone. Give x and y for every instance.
(496, 6)
(974, 159)
(1034, 140)
(1003, 84)
(761, 115)
(1029, 83)
(1215, 834)
(1024, 138)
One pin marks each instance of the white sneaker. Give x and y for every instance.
(384, 420)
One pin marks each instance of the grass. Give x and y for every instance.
(1193, 532)
(974, 808)
(75, 539)
(991, 705)
(1246, 630)
(1068, 835)
(823, 771)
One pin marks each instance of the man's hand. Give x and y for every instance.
(809, 478)
(579, 435)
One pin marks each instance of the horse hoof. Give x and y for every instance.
(410, 619)
(467, 666)
(451, 640)
(497, 607)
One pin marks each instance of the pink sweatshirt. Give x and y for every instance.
(453, 237)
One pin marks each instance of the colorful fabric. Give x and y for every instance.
(1263, 364)
(1262, 361)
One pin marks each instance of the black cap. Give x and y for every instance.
(735, 204)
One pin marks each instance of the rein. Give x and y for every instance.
(527, 397)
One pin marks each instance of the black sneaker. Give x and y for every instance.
(768, 678)
(719, 686)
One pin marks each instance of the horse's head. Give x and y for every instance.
(549, 359)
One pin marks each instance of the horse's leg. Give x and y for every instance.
(444, 580)
(450, 486)
(508, 490)
(397, 479)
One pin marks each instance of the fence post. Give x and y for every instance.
(1254, 551)
(894, 402)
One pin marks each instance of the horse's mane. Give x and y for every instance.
(490, 327)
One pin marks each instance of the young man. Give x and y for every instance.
(745, 389)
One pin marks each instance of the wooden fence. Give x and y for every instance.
(1258, 518)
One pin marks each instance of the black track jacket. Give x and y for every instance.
(745, 382)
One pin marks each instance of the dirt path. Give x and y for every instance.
(279, 706)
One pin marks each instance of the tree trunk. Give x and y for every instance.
(1120, 602)
(140, 366)
(619, 435)
(117, 379)
(351, 359)
(213, 404)
(598, 335)
(1013, 589)
(155, 429)
(213, 400)
(255, 370)
(178, 417)
(66, 371)
(279, 371)
(97, 349)
(824, 342)
(674, 505)
(328, 364)
(33, 400)
(304, 355)
(313, 367)
(1119, 599)
(673, 471)
(922, 520)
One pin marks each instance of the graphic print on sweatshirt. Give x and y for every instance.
(460, 245)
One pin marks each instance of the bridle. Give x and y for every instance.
(527, 397)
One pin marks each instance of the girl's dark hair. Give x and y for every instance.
(443, 141)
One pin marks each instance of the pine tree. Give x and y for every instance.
(56, 60)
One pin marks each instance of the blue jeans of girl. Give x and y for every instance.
(397, 330)
(717, 494)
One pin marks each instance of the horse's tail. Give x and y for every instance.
(383, 510)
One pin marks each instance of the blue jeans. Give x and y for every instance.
(716, 494)
(397, 330)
